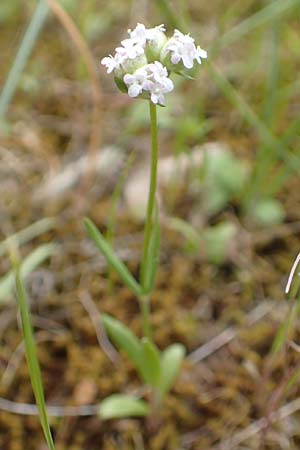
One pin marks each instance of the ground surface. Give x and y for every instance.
(227, 392)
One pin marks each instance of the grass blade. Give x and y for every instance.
(111, 257)
(30, 263)
(27, 234)
(273, 144)
(272, 11)
(22, 55)
(32, 360)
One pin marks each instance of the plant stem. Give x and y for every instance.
(144, 301)
(145, 310)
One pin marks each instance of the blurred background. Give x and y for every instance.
(72, 145)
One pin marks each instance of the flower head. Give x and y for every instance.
(152, 80)
(143, 62)
(181, 48)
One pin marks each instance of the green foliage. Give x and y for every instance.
(151, 363)
(30, 263)
(274, 10)
(222, 178)
(112, 258)
(124, 339)
(32, 360)
(217, 241)
(8, 10)
(268, 212)
(171, 360)
(213, 241)
(156, 369)
(119, 406)
(27, 234)
(28, 42)
(151, 264)
(293, 292)
(193, 237)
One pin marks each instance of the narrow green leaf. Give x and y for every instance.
(30, 263)
(32, 360)
(171, 360)
(124, 339)
(151, 363)
(274, 11)
(286, 327)
(111, 257)
(152, 261)
(23, 54)
(293, 380)
(119, 405)
(27, 234)
(282, 153)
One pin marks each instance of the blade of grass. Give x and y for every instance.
(30, 263)
(272, 89)
(169, 13)
(112, 258)
(116, 195)
(32, 360)
(23, 53)
(274, 10)
(27, 234)
(271, 142)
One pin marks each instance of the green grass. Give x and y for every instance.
(23, 54)
(32, 360)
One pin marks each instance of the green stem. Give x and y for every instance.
(144, 302)
(145, 310)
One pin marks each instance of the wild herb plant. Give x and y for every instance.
(142, 66)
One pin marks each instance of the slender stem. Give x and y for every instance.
(145, 310)
(152, 188)
(22, 56)
(149, 216)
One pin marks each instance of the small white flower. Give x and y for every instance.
(131, 49)
(200, 53)
(182, 48)
(142, 34)
(152, 78)
(157, 91)
(158, 71)
(139, 34)
(110, 63)
(136, 82)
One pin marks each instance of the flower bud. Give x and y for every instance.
(155, 43)
(131, 65)
(128, 66)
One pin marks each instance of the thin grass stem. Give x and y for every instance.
(22, 56)
(32, 360)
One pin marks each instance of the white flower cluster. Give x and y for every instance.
(152, 78)
(144, 61)
(182, 47)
